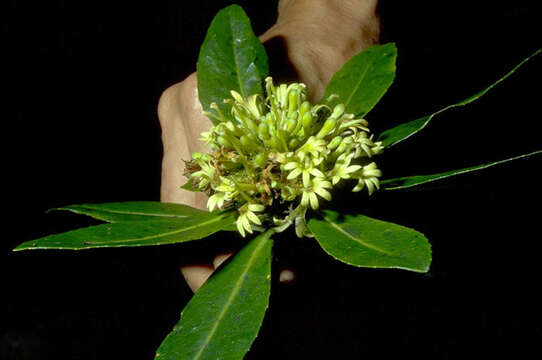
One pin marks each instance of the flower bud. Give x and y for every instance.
(269, 88)
(245, 141)
(249, 123)
(307, 122)
(293, 144)
(282, 94)
(304, 108)
(338, 110)
(263, 131)
(222, 141)
(334, 142)
(274, 143)
(328, 127)
(260, 160)
(293, 96)
(346, 143)
(256, 207)
(290, 125)
(236, 96)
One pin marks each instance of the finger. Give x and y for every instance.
(219, 259)
(181, 120)
(196, 275)
(286, 276)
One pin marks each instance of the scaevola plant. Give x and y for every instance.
(274, 163)
(283, 149)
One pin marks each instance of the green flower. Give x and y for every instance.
(316, 186)
(247, 217)
(368, 177)
(343, 169)
(278, 150)
(305, 168)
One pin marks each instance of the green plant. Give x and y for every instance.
(275, 157)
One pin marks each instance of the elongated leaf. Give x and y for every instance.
(132, 211)
(364, 79)
(365, 242)
(224, 316)
(411, 181)
(402, 132)
(135, 233)
(231, 58)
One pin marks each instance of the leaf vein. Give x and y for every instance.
(370, 246)
(229, 301)
(216, 219)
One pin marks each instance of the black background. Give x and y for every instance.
(80, 125)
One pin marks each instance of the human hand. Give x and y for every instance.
(314, 38)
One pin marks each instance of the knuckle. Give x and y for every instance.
(170, 100)
(167, 100)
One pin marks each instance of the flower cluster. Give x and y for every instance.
(281, 149)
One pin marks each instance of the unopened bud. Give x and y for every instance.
(251, 125)
(294, 143)
(245, 141)
(304, 108)
(269, 86)
(328, 127)
(222, 141)
(334, 142)
(346, 143)
(274, 143)
(260, 160)
(263, 131)
(337, 111)
(236, 96)
(293, 96)
(291, 123)
(282, 94)
(307, 121)
(256, 207)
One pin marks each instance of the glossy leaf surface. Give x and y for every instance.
(136, 233)
(411, 181)
(223, 318)
(231, 58)
(404, 131)
(364, 79)
(365, 242)
(133, 211)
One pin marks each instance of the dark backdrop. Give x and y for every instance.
(80, 125)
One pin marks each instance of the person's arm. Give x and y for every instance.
(319, 36)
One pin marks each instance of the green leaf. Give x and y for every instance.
(135, 233)
(364, 79)
(224, 316)
(365, 242)
(402, 132)
(411, 181)
(231, 58)
(132, 211)
(190, 186)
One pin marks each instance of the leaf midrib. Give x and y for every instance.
(123, 212)
(370, 246)
(236, 60)
(447, 174)
(358, 84)
(216, 219)
(229, 301)
(466, 101)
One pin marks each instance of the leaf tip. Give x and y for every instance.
(21, 247)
